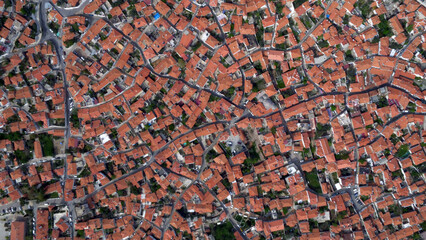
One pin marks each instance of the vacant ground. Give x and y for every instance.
(58, 145)
(3, 233)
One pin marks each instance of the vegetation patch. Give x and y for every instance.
(313, 180)
(223, 231)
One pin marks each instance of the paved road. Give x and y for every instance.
(47, 35)
(29, 116)
(349, 190)
(66, 12)
(202, 168)
(227, 212)
(400, 52)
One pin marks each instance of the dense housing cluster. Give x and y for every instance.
(265, 119)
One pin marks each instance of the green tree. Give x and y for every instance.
(223, 231)
(403, 151)
(46, 141)
(313, 181)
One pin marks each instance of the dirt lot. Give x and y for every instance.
(58, 145)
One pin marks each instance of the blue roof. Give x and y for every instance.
(157, 16)
(329, 113)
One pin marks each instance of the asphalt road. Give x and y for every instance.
(48, 35)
